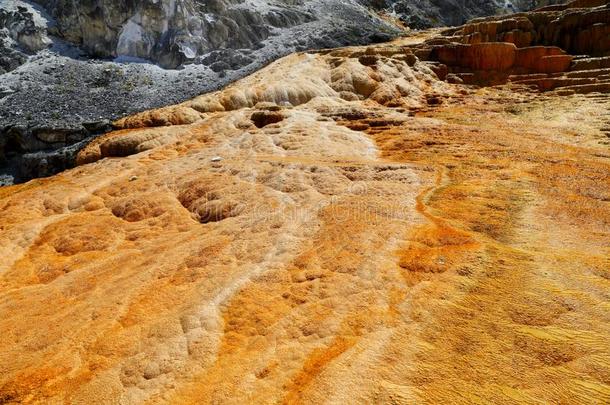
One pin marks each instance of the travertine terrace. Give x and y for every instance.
(343, 226)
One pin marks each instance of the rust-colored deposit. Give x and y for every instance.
(340, 227)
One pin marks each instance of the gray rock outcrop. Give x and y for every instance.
(22, 32)
(170, 32)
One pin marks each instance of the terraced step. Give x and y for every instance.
(588, 73)
(596, 73)
(519, 78)
(585, 88)
(546, 84)
(590, 63)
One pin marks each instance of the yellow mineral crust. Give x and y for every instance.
(340, 227)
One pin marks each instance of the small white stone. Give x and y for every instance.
(216, 159)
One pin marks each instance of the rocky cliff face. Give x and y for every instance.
(437, 13)
(22, 31)
(170, 32)
(353, 225)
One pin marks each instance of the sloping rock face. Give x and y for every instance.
(342, 226)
